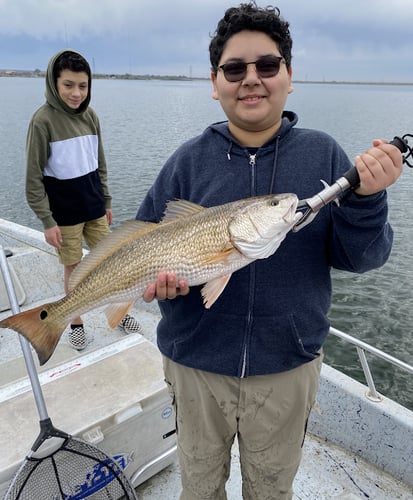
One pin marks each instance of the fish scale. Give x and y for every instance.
(200, 245)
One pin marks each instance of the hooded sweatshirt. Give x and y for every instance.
(273, 314)
(66, 177)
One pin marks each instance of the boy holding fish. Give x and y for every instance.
(66, 180)
(249, 365)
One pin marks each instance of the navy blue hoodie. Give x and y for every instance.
(273, 314)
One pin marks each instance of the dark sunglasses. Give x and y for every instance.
(266, 67)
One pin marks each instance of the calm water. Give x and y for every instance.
(143, 122)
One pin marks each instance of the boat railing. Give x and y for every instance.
(362, 348)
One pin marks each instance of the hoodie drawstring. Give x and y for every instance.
(229, 151)
(274, 166)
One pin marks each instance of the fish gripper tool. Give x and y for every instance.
(350, 180)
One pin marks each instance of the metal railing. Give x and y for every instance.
(362, 348)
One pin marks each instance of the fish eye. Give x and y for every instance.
(274, 203)
(43, 314)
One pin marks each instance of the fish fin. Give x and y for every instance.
(36, 327)
(127, 231)
(222, 256)
(116, 312)
(175, 209)
(213, 289)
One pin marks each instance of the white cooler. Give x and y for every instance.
(114, 397)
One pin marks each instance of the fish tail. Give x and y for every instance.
(38, 328)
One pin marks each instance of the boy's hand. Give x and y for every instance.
(378, 168)
(166, 287)
(53, 236)
(109, 216)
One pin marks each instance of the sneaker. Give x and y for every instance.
(77, 337)
(130, 325)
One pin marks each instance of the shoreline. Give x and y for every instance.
(7, 73)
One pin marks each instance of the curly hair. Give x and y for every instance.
(72, 61)
(248, 16)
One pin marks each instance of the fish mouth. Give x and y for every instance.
(289, 217)
(291, 210)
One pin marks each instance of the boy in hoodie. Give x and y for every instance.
(66, 178)
(249, 366)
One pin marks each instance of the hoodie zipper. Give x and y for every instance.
(252, 164)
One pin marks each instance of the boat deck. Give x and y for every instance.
(327, 470)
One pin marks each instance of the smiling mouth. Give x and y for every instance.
(252, 98)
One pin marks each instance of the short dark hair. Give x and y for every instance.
(248, 16)
(71, 61)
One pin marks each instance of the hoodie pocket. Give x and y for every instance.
(310, 350)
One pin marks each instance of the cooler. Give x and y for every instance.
(114, 397)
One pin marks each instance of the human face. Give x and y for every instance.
(73, 87)
(253, 105)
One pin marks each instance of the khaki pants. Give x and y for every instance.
(71, 251)
(267, 413)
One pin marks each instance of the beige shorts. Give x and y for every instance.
(71, 250)
(267, 413)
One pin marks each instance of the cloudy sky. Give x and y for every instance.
(343, 40)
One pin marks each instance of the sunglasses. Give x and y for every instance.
(266, 67)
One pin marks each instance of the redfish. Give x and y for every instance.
(200, 245)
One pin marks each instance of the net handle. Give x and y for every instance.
(25, 345)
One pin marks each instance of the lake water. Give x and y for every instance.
(144, 121)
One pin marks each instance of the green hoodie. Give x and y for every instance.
(66, 177)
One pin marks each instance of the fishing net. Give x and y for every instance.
(76, 470)
(60, 466)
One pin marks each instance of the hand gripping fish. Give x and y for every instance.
(200, 245)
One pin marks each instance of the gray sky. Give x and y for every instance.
(343, 40)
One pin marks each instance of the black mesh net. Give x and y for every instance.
(75, 471)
